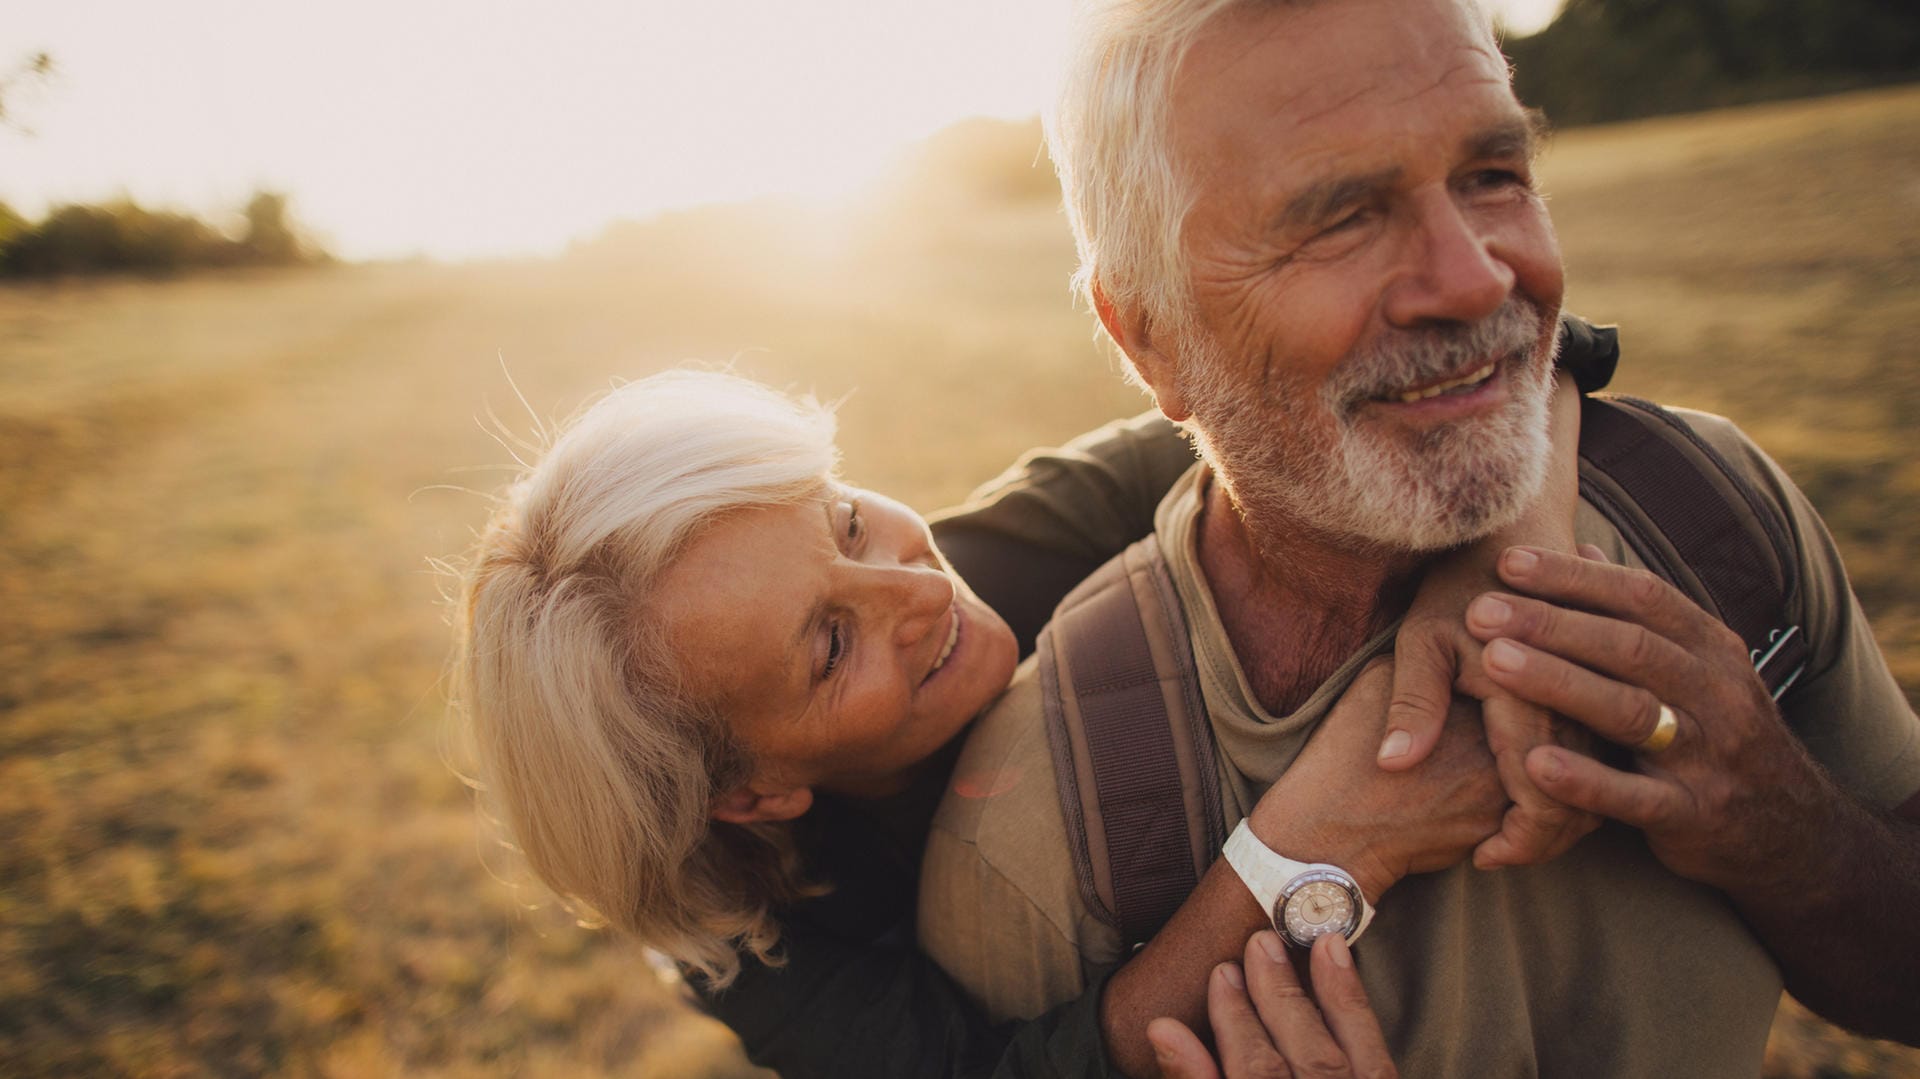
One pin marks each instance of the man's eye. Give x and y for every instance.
(836, 649)
(1488, 179)
(1345, 223)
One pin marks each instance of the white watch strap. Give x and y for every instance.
(1267, 872)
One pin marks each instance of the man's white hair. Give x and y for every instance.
(1110, 136)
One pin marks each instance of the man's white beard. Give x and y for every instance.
(1291, 457)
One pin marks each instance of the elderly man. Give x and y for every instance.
(1312, 229)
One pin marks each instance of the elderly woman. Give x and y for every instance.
(714, 691)
(678, 627)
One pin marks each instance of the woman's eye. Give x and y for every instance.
(836, 649)
(855, 526)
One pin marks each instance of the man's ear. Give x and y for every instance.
(1132, 330)
(745, 805)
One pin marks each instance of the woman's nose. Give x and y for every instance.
(917, 597)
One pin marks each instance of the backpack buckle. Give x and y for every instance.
(1783, 661)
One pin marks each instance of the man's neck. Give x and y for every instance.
(1295, 603)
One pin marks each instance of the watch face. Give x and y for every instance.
(1316, 904)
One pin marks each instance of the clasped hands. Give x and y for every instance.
(1609, 648)
(1615, 651)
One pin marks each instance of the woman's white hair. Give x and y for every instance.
(600, 762)
(1109, 134)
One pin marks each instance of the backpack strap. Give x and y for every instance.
(1697, 523)
(1132, 748)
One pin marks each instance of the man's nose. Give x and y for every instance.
(1452, 273)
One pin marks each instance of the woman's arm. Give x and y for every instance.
(1027, 537)
(844, 1006)
(849, 1004)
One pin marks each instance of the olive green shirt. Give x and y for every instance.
(1598, 963)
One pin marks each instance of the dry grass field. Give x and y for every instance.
(230, 843)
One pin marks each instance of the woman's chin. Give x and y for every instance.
(994, 655)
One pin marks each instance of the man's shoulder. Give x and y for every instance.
(1720, 434)
(1726, 437)
(1000, 905)
(1846, 706)
(1003, 800)
(1768, 491)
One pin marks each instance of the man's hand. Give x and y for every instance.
(1434, 656)
(1334, 805)
(1734, 798)
(1264, 1024)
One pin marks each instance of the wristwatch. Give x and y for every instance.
(1304, 900)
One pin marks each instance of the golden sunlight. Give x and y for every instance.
(456, 129)
(452, 129)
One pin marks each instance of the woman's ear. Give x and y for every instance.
(745, 805)
(1132, 330)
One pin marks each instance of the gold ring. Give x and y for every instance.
(1663, 731)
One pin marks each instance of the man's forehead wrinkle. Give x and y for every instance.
(1199, 79)
(1237, 33)
(1469, 69)
(1316, 115)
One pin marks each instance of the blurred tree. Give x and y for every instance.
(1611, 59)
(124, 237)
(979, 161)
(1755, 38)
(34, 71)
(119, 237)
(11, 225)
(270, 238)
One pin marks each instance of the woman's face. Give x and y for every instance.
(837, 641)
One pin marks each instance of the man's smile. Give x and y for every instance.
(1463, 383)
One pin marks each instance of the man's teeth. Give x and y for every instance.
(953, 636)
(1438, 388)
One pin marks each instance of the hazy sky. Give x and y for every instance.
(473, 127)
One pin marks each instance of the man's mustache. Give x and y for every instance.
(1404, 358)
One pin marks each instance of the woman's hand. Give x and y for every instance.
(1265, 1024)
(1435, 656)
(1332, 805)
(1433, 644)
